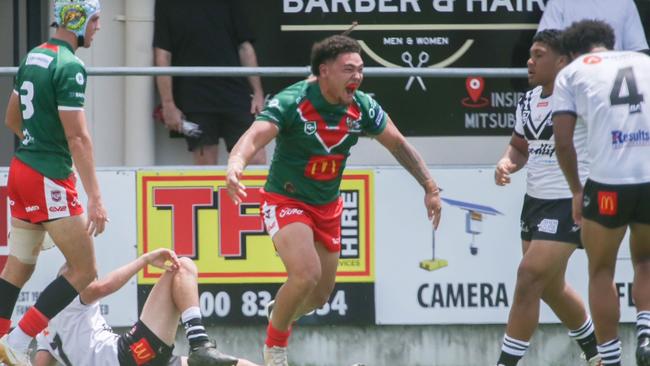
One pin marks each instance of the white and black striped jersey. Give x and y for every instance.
(79, 335)
(610, 91)
(533, 122)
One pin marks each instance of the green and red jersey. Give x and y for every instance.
(314, 140)
(50, 79)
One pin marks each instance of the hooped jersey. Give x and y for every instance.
(79, 335)
(50, 79)
(533, 123)
(314, 140)
(610, 91)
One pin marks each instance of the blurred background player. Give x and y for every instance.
(609, 91)
(548, 234)
(315, 123)
(46, 111)
(79, 335)
(622, 16)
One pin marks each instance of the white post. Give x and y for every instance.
(139, 90)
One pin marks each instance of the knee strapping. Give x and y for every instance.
(25, 244)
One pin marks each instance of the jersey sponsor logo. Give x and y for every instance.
(290, 212)
(32, 208)
(586, 201)
(542, 104)
(607, 203)
(39, 59)
(622, 139)
(323, 168)
(58, 208)
(310, 127)
(548, 226)
(79, 78)
(142, 352)
(545, 149)
(592, 60)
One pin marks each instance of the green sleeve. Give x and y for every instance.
(373, 119)
(279, 108)
(70, 85)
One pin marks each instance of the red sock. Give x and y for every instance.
(5, 325)
(33, 322)
(276, 338)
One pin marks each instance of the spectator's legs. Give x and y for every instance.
(206, 155)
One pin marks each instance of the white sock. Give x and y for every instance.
(19, 340)
(190, 313)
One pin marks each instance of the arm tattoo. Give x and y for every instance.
(411, 160)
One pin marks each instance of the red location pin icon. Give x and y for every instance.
(474, 86)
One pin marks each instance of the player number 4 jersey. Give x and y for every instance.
(533, 123)
(610, 91)
(314, 140)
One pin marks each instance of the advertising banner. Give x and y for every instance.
(413, 33)
(465, 272)
(190, 212)
(115, 247)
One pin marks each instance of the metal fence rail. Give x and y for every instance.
(297, 71)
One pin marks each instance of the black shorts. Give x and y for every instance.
(549, 220)
(228, 126)
(616, 205)
(141, 347)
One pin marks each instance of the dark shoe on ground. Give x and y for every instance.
(207, 354)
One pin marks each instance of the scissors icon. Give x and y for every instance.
(423, 58)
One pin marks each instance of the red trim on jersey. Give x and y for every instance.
(330, 136)
(48, 46)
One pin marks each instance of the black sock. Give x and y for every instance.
(8, 297)
(586, 339)
(56, 296)
(512, 351)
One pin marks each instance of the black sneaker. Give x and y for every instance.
(643, 351)
(207, 354)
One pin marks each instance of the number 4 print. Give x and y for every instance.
(625, 81)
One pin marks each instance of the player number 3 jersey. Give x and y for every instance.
(50, 79)
(314, 140)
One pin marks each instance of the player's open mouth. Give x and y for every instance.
(350, 88)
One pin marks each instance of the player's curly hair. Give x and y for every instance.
(330, 48)
(551, 38)
(581, 37)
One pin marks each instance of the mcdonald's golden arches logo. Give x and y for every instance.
(607, 203)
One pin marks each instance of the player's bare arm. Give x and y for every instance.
(514, 158)
(411, 160)
(81, 149)
(115, 280)
(171, 114)
(12, 117)
(563, 128)
(254, 139)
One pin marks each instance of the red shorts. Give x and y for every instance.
(279, 211)
(36, 198)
